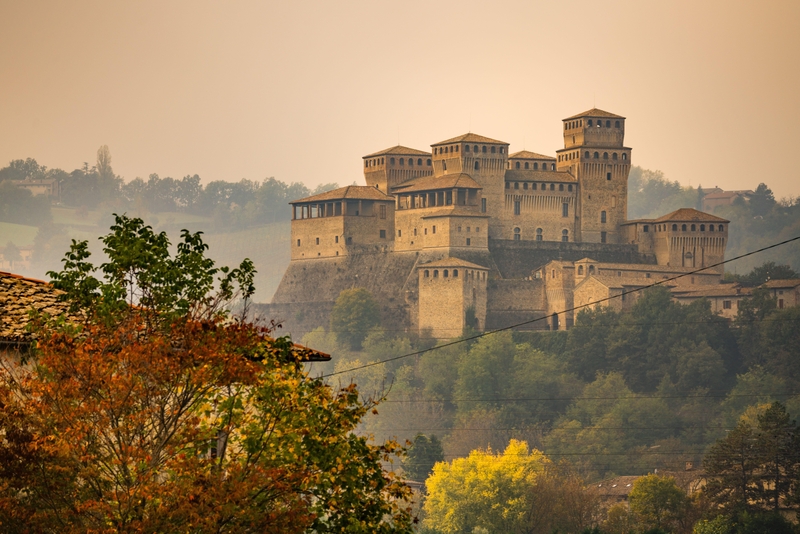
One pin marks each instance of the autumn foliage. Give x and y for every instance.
(194, 426)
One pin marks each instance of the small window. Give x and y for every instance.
(596, 155)
(720, 228)
(552, 166)
(317, 240)
(726, 305)
(419, 162)
(494, 149)
(402, 160)
(586, 154)
(565, 235)
(508, 185)
(469, 241)
(516, 165)
(382, 234)
(382, 210)
(624, 157)
(391, 161)
(569, 187)
(477, 165)
(336, 239)
(516, 185)
(614, 156)
(455, 273)
(565, 209)
(456, 148)
(590, 122)
(605, 155)
(298, 242)
(710, 227)
(552, 187)
(526, 164)
(674, 227)
(608, 124)
(415, 232)
(434, 228)
(348, 241)
(603, 237)
(429, 162)
(483, 149)
(411, 161)
(483, 205)
(702, 227)
(646, 228)
(580, 267)
(445, 273)
(444, 165)
(616, 124)
(539, 234)
(516, 234)
(427, 273)
(535, 166)
(517, 207)
(399, 233)
(693, 228)
(436, 273)
(602, 216)
(425, 231)
(683, 228)
(477, 229)
(475, 148)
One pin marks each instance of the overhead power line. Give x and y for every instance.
(574, 308)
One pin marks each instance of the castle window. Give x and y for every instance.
(425, 231)
(419, 162)
(427, 273)
(469, 241)
(477, 229)
(647, 275)
(524, 185)
(455, 273)
(483, 205)
(614, 156)
(366, 163)
(434, 229)
(466, 148)
(565, 209)
(602, 216)
(477, 165)
(456, 148)
(624, 157)
(702, 227)
(586, 154)
(298, 242)
(693, 228)
(608, 176)
(415, 232)
(382, 234)
(526, 164)
(516, 185)
(382, 210)
(483, 149)
(560, 187)
(411, 161)
(565, 235)
(720, 228)
(646, 228)
(535, 166)
(381, 161)
(603, 237)
(445, 273)
(459, 229)
(580, 267)
(399, 234)
(317, 239)
(444, 165)
(501, 150)
(552, 187)
(436, 273)
(494, 149)
(569, 187)
(402, 161)
(596, 155)
(348, 241)
(516, 207)
(674, 227)
(591, 269)
(517, 235)
(608, 124)
(683, 228)
(336, 239)
(391, 161)
(552, 166)
(605, 156)
(710, 227)
(516, 165)
(508, 185)
(429, 162)
(616, 124)
(475, 148)
(539, 234)
(590, 122)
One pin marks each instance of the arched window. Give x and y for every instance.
(710, 227)
(494, 149)
(596, 155)
(720, 228)
(391, 161)
(446, 273)
(552, 187)
(456, 148)
(535, 166)
(466, 148)
(602, 216)
(516, 185)
(616, 124)
(501, 150)
(436, 273)
(419, 162)
(552, 166)
(560, 187)
(614, 156)
(539, 236)
(590, 122)
(475, 148)
(401, 161)
(477, 165)
(455, 273)
(411, 161)
(694, 228)
(605, 155)
(586, 155)
(483, 149)
(565, 235)
(683, 228)
(580, 267)
(674, 227)
(429, 162)
(624, 157)
(569, 187)
(591, 267)
(427, 273)
(516, 165)
(526, 164)
(608, 124)
(702, 227)
(516, 234)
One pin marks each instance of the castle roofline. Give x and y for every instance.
(515, 175)
(727, 290)
(453, 262)
(471, 138)
(355, 192)
(456, 211)
(527, 154)
(689, 215)
(398, 150)
(595, 112)
(591, 147)
(430, 183)
(612, 282)
(775, 284)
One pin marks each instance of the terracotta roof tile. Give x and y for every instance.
(471, 138)
(18, 297)
(429, 183)
(455, 211)
(689, 215)
(594, 112)
(722, 290)
(793, 282)
(527, 154)
(530, 175)
(453, 262)
(399, 151)
(357, 192)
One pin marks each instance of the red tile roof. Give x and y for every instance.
(689, 215)
(594, 112)
(430, 183)
(399, 151)
(356, 192)
(471, 138)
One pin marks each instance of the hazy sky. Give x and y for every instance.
(301, 90)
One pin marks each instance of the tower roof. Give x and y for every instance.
(453, 262)
(355, 192)
(690, 214)
(594, 112)
(470, 138)
(398, 150)
(527, 154)
(428, 183)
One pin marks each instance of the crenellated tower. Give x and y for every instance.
(393, 166)
(594, 152)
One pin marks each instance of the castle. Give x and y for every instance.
(469, 234)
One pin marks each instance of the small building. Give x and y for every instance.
(49, 187)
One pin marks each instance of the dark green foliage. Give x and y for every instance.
(763, 273)
(422, 455)
(355, 312)
(20, 206)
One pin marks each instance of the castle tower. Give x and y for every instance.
(483, 159)
(595, 154)
(452, 295)
(392, 166)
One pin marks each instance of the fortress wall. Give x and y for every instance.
(516, 259)
(515, 301)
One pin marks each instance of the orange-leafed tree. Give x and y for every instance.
(152, 409)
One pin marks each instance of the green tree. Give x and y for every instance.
(423, 454)
(731, 466)
(659, 503)
(353, 315)
(11, 252)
